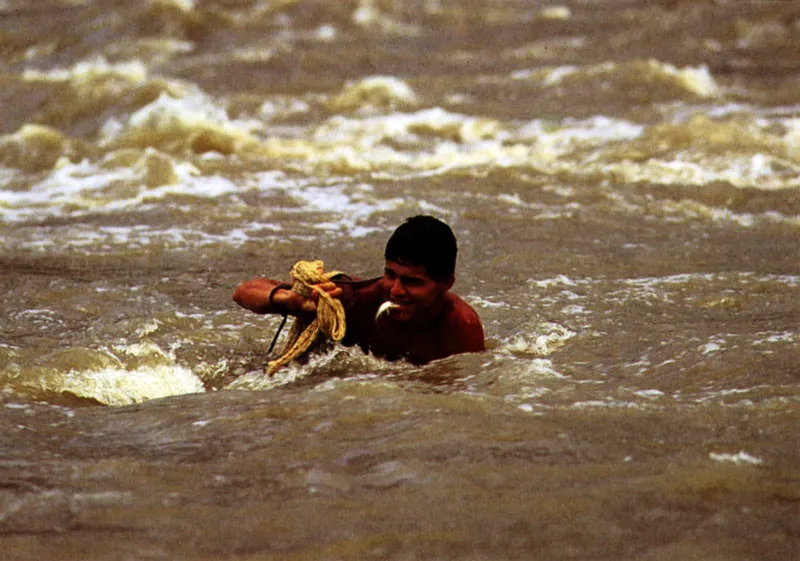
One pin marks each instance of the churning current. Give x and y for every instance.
(623, 178)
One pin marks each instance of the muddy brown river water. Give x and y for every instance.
(624, 181)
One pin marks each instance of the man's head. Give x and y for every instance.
(420, 267)
(426, 241)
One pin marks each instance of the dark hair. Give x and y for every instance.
(427, 241)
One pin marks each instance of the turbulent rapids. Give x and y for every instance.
(623, 178)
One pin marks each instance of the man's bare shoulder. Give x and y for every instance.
(464, 326)
(459, 309)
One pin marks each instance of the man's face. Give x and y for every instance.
(411, 288)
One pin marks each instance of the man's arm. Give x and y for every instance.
(268, 296)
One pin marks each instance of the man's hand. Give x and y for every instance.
(301, 305)
(266, 296)
(329, 287)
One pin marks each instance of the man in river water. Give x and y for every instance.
(425, 322)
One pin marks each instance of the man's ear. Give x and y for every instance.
(448, 282)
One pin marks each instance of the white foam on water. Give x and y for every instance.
(543, 341)
(278, 106)
(739, 458)
(112, 238)
(16, 406)
(544, 366)
(119, 386)
(548, 76)
(598, 129)
(575, 310)
(558, 12)
(174, 119)
(791, 139)
(101, 239)
(64, 185)
(765, 338)
(714, 345)
(258, 380)
(679, 279)
(435, 122)
(185, 6)
(702, 147)
(352, 205)
(401, 145)
(696, 80)
(610, 404)
(693, 209)
(374, 91)
(649, 394)
(338, 364)
(85, 188)
(560, 280)
(370, 16)
(480, 302)
(739, 397)
(84, 73)
(755, 171)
